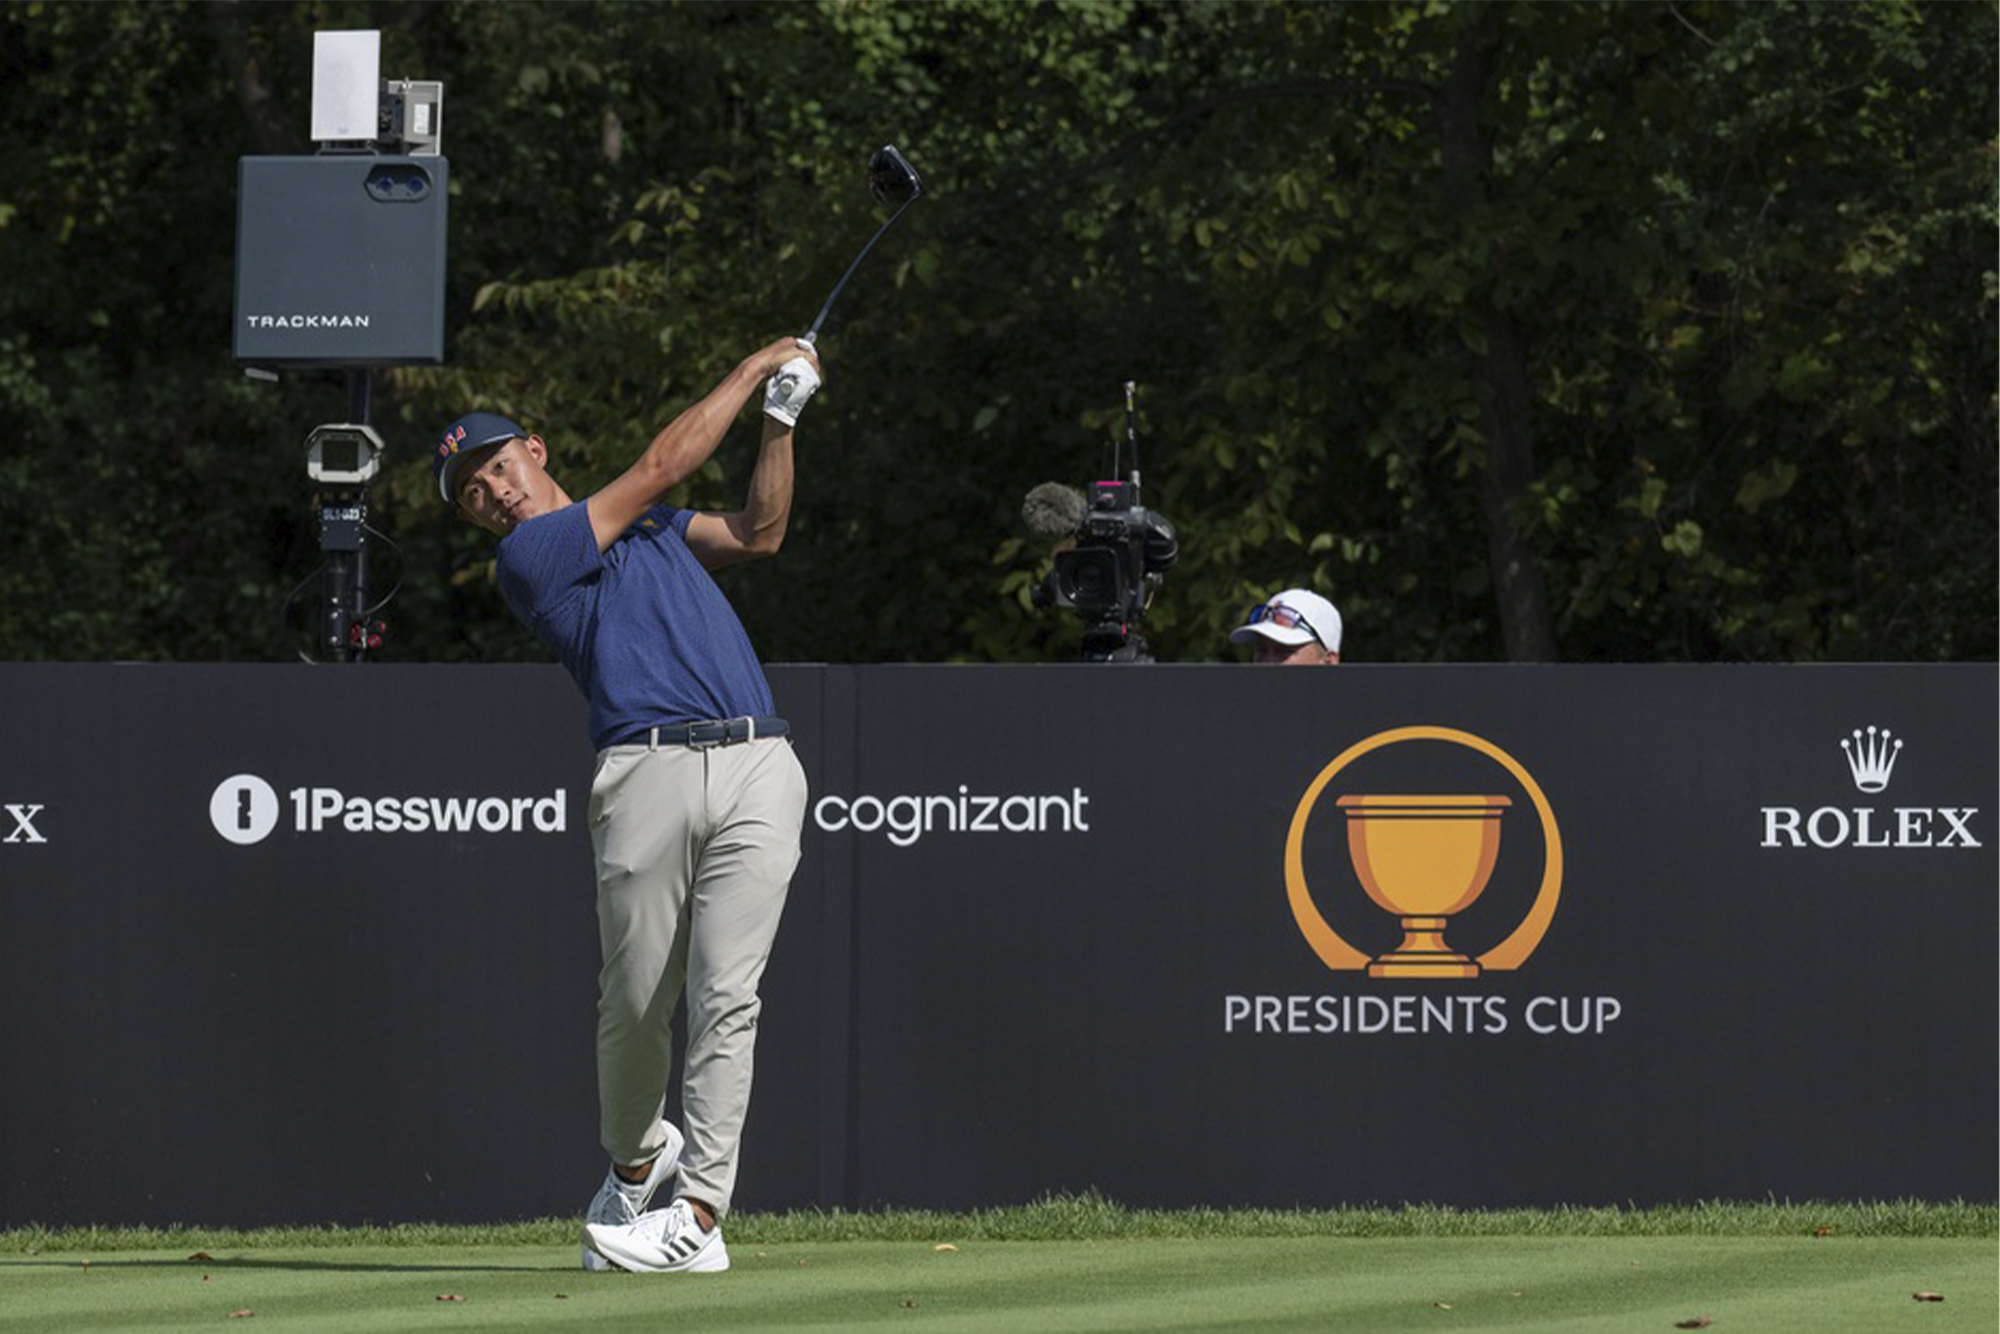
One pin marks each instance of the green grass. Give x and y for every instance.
(1073, 1263)
(1093, 1218)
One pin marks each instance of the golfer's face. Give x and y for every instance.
(505, 489)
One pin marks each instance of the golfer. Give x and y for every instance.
(697, 800)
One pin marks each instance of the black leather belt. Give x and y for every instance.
(712, 732)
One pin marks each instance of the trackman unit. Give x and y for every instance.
(340, 256)
(340, 260)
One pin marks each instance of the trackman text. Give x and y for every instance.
(307, 321)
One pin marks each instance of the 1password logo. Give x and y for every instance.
(245, 809)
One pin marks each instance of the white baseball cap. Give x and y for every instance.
(1293, 617)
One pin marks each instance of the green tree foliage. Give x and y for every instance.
(1623, 331)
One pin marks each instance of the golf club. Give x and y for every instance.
(890, 178)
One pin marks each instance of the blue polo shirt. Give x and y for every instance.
(641, 627)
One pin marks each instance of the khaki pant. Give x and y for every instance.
(695, 850)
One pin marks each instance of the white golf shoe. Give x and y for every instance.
(620, 1202)
(666, 1241)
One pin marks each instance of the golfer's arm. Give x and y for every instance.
(675, 453)
(758, 529)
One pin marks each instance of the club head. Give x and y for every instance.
(891, 178)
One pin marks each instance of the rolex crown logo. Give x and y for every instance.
(1871, 758)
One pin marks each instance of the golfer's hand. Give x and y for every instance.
(767, 361)
(794, 380)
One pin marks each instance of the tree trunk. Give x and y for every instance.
(270, 123)
(1526, 629)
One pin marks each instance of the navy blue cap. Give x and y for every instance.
(473, 431)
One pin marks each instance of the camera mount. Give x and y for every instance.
(341, 459)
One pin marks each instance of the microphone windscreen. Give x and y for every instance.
(1053, 510)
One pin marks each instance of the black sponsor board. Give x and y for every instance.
(287, 945)
(296, 945)
(1710, 1009)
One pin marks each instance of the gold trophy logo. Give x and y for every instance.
(1423, 858)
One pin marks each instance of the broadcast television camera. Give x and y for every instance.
(1116, 553)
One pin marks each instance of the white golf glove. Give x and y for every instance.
(785, 393)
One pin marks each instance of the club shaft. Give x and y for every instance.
(819, 319)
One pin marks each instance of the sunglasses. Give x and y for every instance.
(1277, 613)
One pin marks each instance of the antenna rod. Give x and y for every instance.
(1132, 430)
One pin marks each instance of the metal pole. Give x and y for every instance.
(343, 535)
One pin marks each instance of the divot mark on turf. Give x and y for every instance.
(1927, 1296)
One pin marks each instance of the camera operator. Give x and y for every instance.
(1297, 628)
